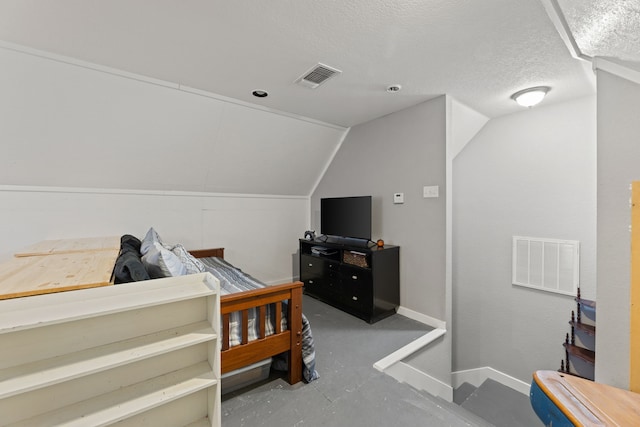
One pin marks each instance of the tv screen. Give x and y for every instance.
(346, 217)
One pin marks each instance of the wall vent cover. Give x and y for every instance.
(546, 264)
(317, 75)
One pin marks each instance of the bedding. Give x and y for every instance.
(153, 258)
(233, 280)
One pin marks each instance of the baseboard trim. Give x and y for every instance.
(419, 380)
(422, 318)
(477, 376)
(406, 351)
(393, 366)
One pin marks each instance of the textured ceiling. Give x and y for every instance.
(480, 52)
(605, 28)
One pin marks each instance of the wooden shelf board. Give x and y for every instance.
(25, 313)
(43, 373)
(129, 401)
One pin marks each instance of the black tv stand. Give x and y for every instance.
(358, 279)
(346, 241)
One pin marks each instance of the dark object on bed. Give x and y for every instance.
(129, 267)
(130, 242)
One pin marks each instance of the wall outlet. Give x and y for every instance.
(398, 198)
(430, 191)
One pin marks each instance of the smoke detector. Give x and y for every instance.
(317, 75)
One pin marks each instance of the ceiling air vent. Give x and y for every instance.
(317, 75)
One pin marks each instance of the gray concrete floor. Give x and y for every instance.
(502, 406)
(350, 392)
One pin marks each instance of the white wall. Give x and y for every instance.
(259, 233)
(618, 165)
(533, 174)
(81, 125)
(90, 151)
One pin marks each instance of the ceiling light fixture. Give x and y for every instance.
(394, 88)
(530, 97)
(260, 93)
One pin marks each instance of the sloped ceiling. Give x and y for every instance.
(69, 126)
(480, 52)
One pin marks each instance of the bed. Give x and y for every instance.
(257, 321)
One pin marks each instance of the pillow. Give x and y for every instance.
(192, 264)
(161, 262)
(150, 238)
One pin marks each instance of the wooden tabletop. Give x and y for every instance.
(65, 246)
(25, 276)
(588, 403)
(59, 265)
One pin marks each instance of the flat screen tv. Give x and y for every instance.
(346, 217)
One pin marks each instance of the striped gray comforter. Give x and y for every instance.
(233, 280)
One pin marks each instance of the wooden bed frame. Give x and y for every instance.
(280, 341)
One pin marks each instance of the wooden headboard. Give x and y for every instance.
(203, 253)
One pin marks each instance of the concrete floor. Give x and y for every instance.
(350, 392)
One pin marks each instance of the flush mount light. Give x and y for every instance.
(394, 88)
(260, 93)
(530, 97)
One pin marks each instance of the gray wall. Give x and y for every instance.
(401, 152)
(533, 174)
(618, 165)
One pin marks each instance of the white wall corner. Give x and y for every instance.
(616, 69)
(464, 123)
(329, 161)
(477, 376)
(562, 27)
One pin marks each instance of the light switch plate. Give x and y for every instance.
(431, 191)
(398, 198)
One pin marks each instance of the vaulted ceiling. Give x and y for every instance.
(480, 52)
